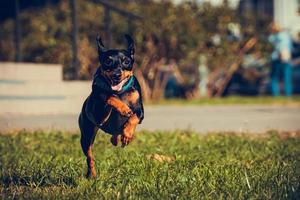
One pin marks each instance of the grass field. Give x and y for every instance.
(176, 165)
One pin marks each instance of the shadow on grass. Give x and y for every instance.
(41, 180)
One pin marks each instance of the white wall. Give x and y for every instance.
(27, 88)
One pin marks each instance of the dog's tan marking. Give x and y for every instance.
(91, 163)
(129, 129)
(120, 106)
(132, 97)
(126, 74)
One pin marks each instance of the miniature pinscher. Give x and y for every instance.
(115, 103)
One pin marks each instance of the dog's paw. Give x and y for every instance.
(91, 173)
(128, 135)
(126, 111)
(126, 140)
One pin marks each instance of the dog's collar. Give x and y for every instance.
(127, 85)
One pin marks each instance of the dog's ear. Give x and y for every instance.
(100, 45)
(130, 45)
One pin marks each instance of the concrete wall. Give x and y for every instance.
(27, 88)
(286, 13)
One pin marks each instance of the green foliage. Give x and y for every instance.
(167, 31)
(50, 165)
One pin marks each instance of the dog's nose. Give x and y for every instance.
(117, 76)
(117, 73)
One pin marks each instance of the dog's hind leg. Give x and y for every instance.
(115, 139)
(88, 133)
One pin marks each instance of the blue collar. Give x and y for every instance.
(127, 86)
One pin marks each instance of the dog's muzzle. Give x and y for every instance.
(116, 78)
(120, 85)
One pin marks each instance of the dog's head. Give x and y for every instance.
(116, 64)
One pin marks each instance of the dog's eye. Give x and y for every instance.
(108, 62)
(126, 61)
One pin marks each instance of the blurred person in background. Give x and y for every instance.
(280, 59)
(203, 75)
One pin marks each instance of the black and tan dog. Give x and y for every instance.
(115, 103)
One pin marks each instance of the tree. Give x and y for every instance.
(167, 34)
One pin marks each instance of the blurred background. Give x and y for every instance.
(184, 49)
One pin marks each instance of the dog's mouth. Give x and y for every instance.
(118, 87)
(117, 82)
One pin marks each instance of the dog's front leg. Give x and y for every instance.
(120, 106)
(129, 129)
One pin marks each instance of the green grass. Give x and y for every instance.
(50, 165)
(232, 100)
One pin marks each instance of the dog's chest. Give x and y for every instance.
(115, 123)
(130, 98)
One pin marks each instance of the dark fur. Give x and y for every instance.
(97, 113)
